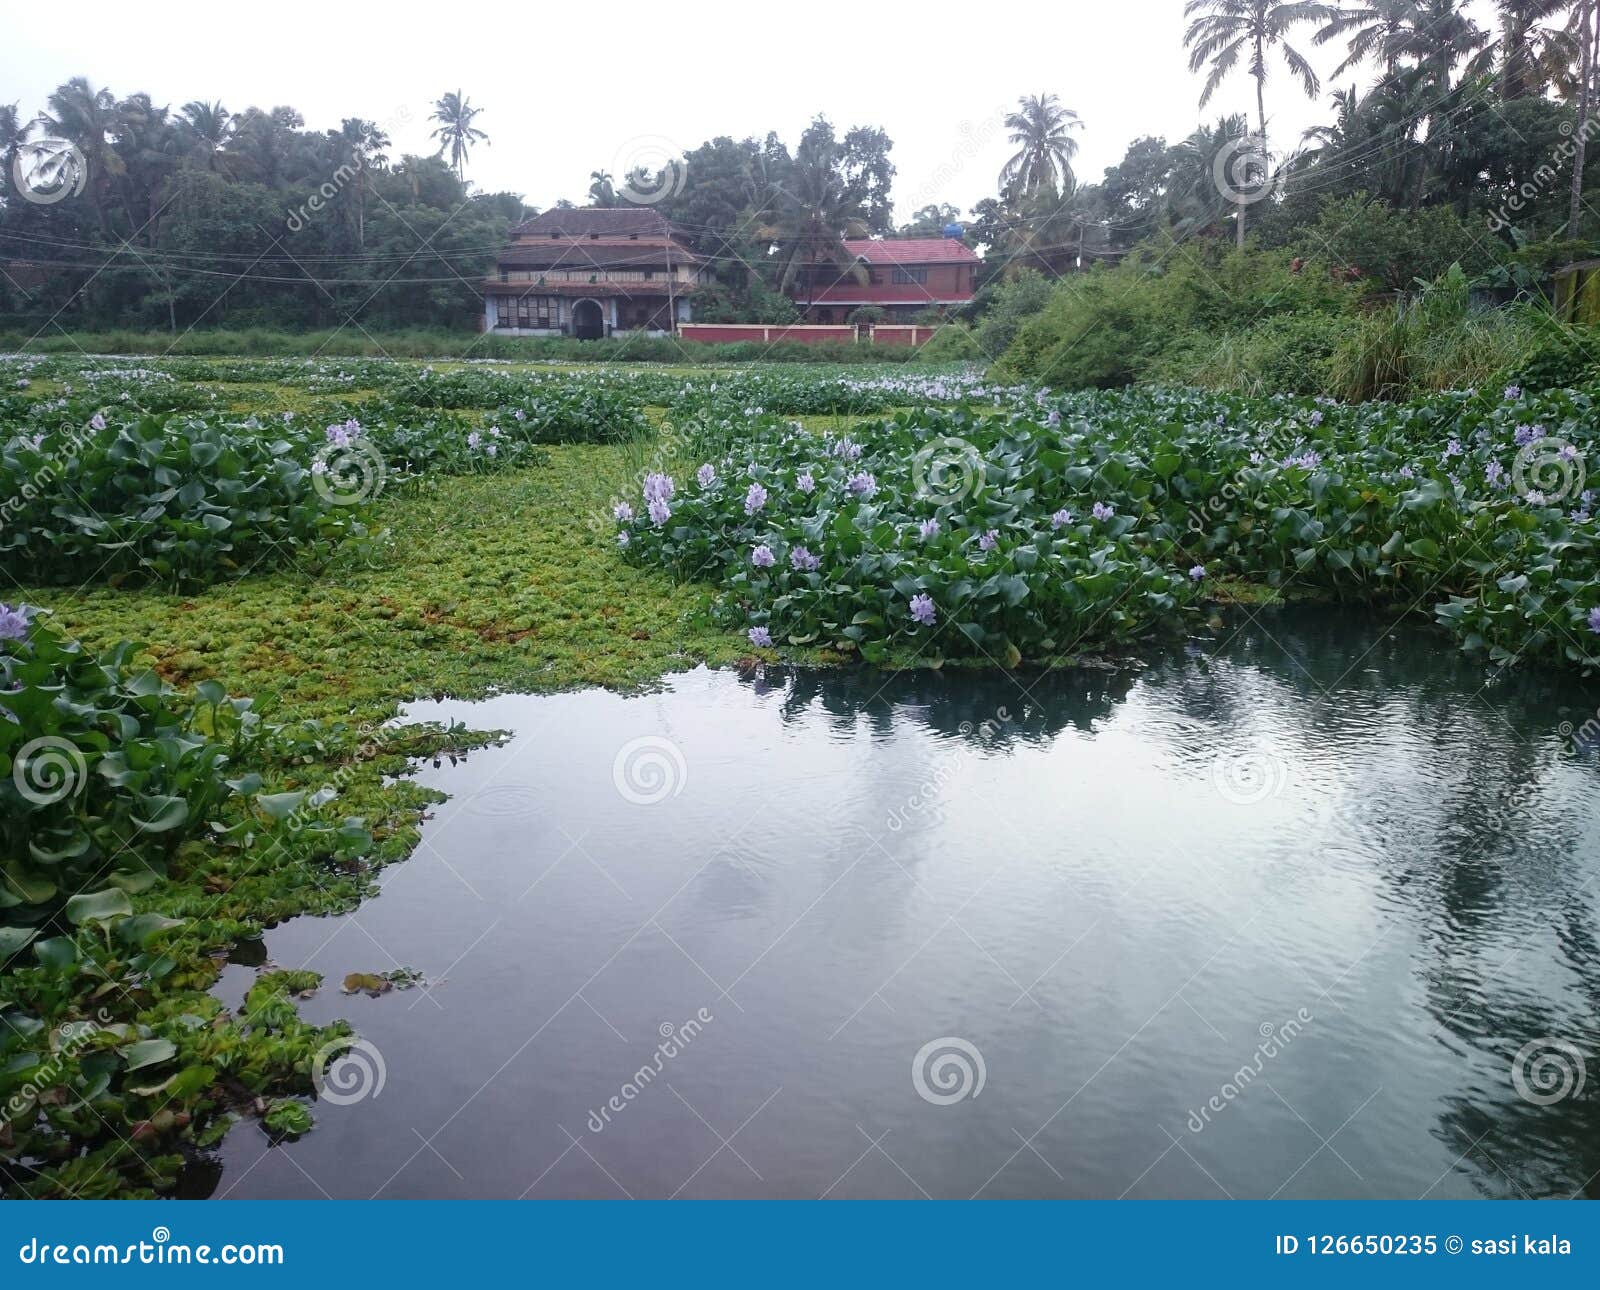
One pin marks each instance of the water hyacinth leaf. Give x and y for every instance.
(13, 940)
(148, 1052)
(280, 806)
(165, 813)
(98, 906)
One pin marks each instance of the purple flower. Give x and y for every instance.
(623, 538)
(98, 422)
(922, 610)
(1569, 452)
(658, 488)
(1513, 392)
(706, 475)
(1316, 418)
(754, 499)
(1452, 449)
(13, 622)
(1526, 435)
(1061, 518)
(473, 440)
(520, 415)
(803, 561)
(1407, 473)
(861, 484)
(847, 449)
(1495, 473)
(1103, 512)
(1594, 620)
(805, 482)
(762, 557)
(928, 530)
(1054, 419)
(1197, 573)
(622, 512)
(989, 540)
(760, 637)
(493, 450)
(660, 512)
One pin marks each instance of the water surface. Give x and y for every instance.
(1274, 917)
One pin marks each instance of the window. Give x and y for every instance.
(648, 274)
(594, 237)
(504, 276)
(917, 274)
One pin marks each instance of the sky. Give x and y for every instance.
(566, 90)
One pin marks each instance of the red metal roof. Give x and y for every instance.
(911, 250)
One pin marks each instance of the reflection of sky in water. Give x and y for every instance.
(1109, 884)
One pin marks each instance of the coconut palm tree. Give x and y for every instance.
(361, 144)
(1532, 50)
(207, 127)
(87, 118)
(1378, 30)
(456, 133)
(1221, 31)
(1042, 130)
(816, 211)
(602, 189)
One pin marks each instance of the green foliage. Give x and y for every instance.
(177, 499)
(1391, 248)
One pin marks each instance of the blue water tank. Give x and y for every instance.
(954, 230)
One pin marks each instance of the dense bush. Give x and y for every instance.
(172, 498)
(1092, 517)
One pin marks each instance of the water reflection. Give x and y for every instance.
(1121, 889)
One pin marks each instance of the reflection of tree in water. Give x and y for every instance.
(1460, 775)
(987, 708)
(1467, 783)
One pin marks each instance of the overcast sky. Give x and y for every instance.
(567, 89)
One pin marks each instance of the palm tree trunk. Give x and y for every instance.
(1580, 139)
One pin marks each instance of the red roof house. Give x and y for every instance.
(591, 272)
(902, 276)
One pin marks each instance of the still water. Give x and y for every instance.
(1277, 916)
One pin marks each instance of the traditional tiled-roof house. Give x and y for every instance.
(590, 272)
(902, 276)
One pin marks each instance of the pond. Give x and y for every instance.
(1304, 910)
